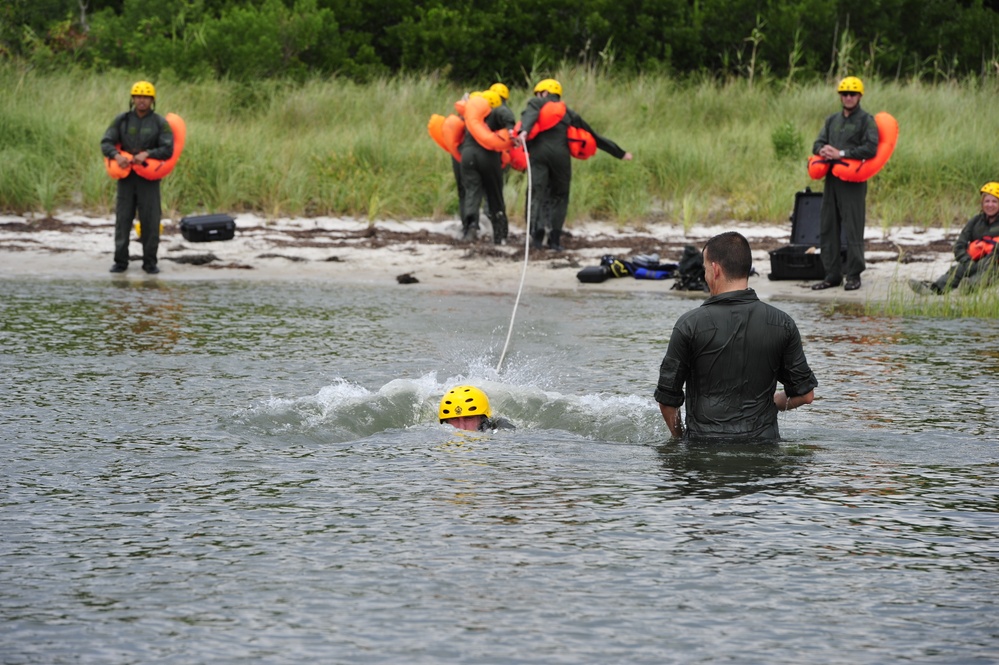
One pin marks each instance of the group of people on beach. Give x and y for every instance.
(547, 137)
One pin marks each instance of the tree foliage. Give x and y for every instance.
(469, 40)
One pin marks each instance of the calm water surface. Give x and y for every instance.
(231, 473)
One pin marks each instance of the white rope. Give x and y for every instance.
(527, 251)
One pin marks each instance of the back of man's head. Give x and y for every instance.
(730, 251)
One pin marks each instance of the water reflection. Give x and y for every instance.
(724, 471)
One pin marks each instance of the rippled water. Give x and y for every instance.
(230, 473)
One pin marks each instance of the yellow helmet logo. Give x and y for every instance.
(144, 89)
(464, 401)
(851, 84)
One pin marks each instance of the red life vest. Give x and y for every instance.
(153, 169)
(980, 248)
(582, 144)
(859, 170)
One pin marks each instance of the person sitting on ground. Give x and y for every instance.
(467, 408)
(974, 250)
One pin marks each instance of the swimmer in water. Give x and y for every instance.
(467, 408)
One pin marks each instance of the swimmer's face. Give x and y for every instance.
(467, 423)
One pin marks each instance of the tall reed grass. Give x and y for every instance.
(704, 151)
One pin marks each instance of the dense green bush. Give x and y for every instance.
(792, 41)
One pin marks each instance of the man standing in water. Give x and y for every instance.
(730, 353)
(144, 134)
(851, 133)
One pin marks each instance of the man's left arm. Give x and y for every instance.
(798, 379)
(869, 143)
(603, 143)
(164, 142)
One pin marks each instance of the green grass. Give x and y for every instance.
(977, 303)
(704, 151)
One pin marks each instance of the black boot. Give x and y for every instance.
(537, 237)
(553, 241)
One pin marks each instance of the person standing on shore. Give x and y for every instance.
(974, 249)
(545, 123)
(144, 134)
(850, 133)
(482, 170)
(729, 354)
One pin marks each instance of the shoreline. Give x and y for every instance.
(428, 254)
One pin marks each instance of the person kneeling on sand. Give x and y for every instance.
(974, 250)
(467, 408)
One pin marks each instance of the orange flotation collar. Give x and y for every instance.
(453, 131)
(153, 169)
(476, 111)
(582, 144)
(983, 247)
(859, 170)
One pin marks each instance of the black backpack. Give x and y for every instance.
(690, 271)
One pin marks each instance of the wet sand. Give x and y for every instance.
(428, 254)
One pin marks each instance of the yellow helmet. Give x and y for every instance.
(990, 188)
(464, 401)
(492, 97)
(501, 90)
(851, 84)
(144, 88)
(551, 86)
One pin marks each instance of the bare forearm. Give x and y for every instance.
(785, 403)
(671, 415)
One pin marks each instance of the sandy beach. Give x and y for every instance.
(428, 254)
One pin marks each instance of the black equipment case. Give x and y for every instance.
(207, 228)
(794, 261)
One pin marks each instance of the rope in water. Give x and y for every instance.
(523, 272)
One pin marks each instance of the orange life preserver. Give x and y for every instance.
(983, 247)
(859, 170)
(551, 114)
(436, 128)
(818, 168)
(453, 132)
(115, 171)
(153, 169)
(476, 111)
(157, 169)
(582, 144)
(518, 158)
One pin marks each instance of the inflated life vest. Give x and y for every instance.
(982, 247)
(153, 169)
(435, 127)
(477, 109)
(453, 131)
(582, 144)
(859, 170)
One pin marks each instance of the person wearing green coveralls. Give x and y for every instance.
(482, 175)
(145, 134)
(729, 354)
(551, 164)
(974, 249)
(851, 133)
